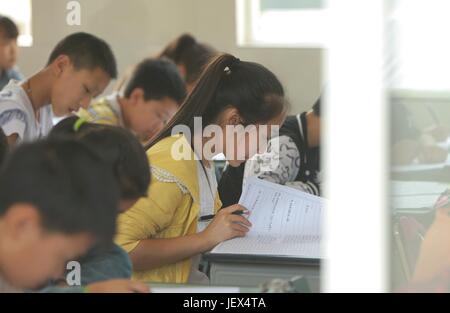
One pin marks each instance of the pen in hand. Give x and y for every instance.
(211, 216)
(443, 202)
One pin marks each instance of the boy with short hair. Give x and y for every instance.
(150, 99)
(54, 205)
(79, 69)
(8, 51)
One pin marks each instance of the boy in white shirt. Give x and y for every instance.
(79, 69)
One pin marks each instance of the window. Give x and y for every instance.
(20, 12)
(419, 45)
(297, 23)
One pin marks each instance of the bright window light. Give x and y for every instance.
(296, 23)
(420, 45)
(20, 12)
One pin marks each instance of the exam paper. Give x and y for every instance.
(286, 222)
(406, 195)
(415, 188)
(187, 289)
(414, 202)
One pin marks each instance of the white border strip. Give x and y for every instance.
(355, 131)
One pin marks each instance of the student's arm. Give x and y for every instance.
(407, 151)
(279, 164)
(102, 264)
(12, 122)
(434, 255)
(153, 253)
(138, 228)
(438, 133)
(12, 139)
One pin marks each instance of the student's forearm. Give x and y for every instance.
(154, 253)
(12, 139)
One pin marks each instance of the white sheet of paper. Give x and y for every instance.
(187, 289)
(414, 202)
(415, 194)
(286, 222)
(416, 166)
(413, 188)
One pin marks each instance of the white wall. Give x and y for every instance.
(139, 28)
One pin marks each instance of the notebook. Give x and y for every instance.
(285, 222)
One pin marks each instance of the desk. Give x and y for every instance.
(250, 271)
(189, 288)
(441, 175)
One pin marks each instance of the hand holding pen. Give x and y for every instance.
(443, 202)
(228, 223)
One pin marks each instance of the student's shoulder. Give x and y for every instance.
(173, 154)
(101, 105)
(11, 99)
(100, 253)
(99, 112)
(172, 148)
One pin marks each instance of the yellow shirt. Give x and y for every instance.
(106, 111)
(170, 210)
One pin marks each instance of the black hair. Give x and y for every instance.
(8, 28)
(193, 55)
(86, 51)
(249, 87)
(73, 192)
(316, 107)
(158, 78)
(3, 146)
(118, 147)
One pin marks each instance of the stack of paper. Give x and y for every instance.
(415, 194)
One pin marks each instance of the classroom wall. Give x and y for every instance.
(139, 28)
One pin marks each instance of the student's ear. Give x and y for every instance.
(22, 221)
(137, 96)
(182, 70)
(60, 64)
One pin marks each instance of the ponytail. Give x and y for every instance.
(249, 87)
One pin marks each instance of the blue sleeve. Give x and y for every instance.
(56, 289)
(101, 265)
(16, 74)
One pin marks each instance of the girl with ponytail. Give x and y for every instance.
(190, 56)
(165, 232)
